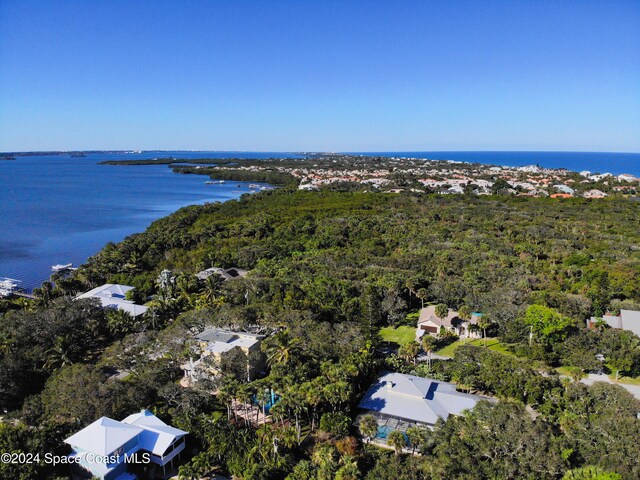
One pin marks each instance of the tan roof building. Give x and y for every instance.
(430, 323)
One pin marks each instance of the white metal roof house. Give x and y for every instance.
(103, 448)
(400, 401)
(112, 295)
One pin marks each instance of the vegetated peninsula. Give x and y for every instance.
(346, 331)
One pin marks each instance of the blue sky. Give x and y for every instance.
(332, 76)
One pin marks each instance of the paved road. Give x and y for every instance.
(434, 356)
(592, 378)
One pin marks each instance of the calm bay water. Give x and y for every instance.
(60, 209)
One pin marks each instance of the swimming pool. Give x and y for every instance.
(383, 432)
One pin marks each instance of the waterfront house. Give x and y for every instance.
(400, 401)
(213, 344)
(626, 320)
(430, 323)
(107, 448)
(112, 295)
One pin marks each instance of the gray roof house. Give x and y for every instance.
(217, 343)
(400, 401)
(627, 320)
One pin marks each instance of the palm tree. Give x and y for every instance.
(263, 396)
(417, 436)
(57, 355)
(45, 293)
(212, 285)
(277, 412)
(397, 440)
(227, 393)
(166, 282)
(184, 289)
(422, 294)
(324, 456)
(349, 469)
(244, 396)
(464, 313)
(411, 285)
(280, 347)
(119, 322)
(294, 400)
(428, 344)
(368, 427)
(337, 393)
(441, 312)
(409, 351)
(151, 315)
(312, 392)
(484, 322)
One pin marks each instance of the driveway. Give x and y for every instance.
(434, 356)
(592, 378)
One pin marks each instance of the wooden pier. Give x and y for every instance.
(30, 296)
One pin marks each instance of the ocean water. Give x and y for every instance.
(601, 162)
(61, 209)
(58, 209)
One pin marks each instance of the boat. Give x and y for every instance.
(8, 286)
(61, 268)
(211, 182)
(253, 185)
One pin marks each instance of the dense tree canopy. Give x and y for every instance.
(328, 269)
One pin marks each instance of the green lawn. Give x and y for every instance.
(399, 335)
(623, 379)
(566, 371)
(492, 344)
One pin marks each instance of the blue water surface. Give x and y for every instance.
(60, 209)
(601, 162)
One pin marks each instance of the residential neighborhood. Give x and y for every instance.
(397, 174)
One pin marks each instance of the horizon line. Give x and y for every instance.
(350, 152)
